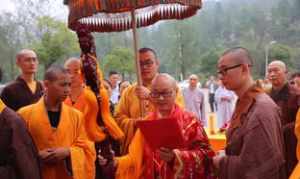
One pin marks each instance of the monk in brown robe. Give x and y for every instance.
(18, 154)
(254, 146)
(193, 160)
(288, 101)
(25, 89)
(58, 131)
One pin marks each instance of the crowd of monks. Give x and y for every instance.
(49, 128)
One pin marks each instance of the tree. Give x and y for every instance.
(57, 42)
(121, 60)
(281, 52)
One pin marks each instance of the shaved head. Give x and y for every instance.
(71, 61)
(278, 63)
(53, 71)
(23, 52)
(277, 74)
(240, 55)
(234, 69)
(163, 93)
(165, 79)
(193, 76)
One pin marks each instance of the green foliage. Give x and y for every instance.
(56, 43)
(209, 62)
(120, 60)
(281, 52)
(187, 46)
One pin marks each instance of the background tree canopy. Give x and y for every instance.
(184, 47)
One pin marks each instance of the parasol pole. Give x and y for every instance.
(137, 62)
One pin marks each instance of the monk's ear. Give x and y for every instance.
(157, 61)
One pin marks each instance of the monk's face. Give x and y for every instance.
(149, 65)
(59, 89)
(193, 80)
(75, 73)
(113, 79)
(163, 95)
(231, 73)
(295, 84)
(28, 62)
(277, 74)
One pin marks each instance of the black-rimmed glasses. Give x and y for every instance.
(224, 71)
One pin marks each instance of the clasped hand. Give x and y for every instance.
(53, 155)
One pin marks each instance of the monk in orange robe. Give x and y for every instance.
(194, 160)
(83, 99)
(296, 172)
(58, 131)
(128, 110)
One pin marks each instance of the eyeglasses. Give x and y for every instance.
(165, 94)
(226, 69)
(146, 64)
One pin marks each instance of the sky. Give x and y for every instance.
(7, 5)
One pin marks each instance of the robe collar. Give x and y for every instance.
(243, 105)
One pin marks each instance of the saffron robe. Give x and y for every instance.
(128, 108)
(192, 161)
(17, 94)
(87, 104)
(289, 102)
(296, 171)
(254, 140)
(69, 133)
(18, 154)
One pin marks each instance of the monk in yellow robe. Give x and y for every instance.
(128, 110)
(58, 131)
(83, 99)
(194, 160)
(296, 172)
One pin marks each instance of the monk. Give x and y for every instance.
(18, 154)
(83, 99)
(296, 172)
(128, 110)
(288, 101)
(194, 160)
(254, 146)
(58, 131)
(25, 89)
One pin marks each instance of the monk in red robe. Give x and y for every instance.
(194, 160)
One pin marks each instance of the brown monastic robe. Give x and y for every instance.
(18, 154)
(254, 140)
(289, 103)
(17, 94)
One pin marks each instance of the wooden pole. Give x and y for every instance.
(136, 58)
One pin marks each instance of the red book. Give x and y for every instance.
(162, 133)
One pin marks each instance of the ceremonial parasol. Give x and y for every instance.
(121, 15)
(86, 16)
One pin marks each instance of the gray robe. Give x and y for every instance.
(18, 154)
(255, 149)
